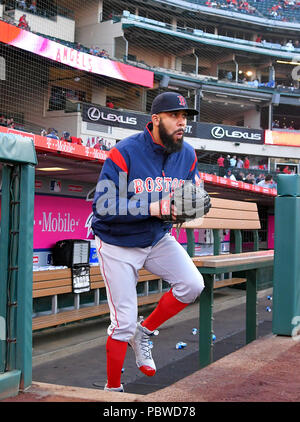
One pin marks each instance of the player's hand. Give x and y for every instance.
(155, 210)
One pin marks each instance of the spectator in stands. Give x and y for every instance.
(262, 165)
(240, 176)
(229, 76)
(229, 175)
(289, 45)
(239, 163)
(260, 178)
(96, 51)
(286, 170)
(66, 137)
(23, 24)
(21, 4)
(109, 104)
(10, 123)
(275, 124)
(99, 144)
(227, 162)
(32, 7)
(292, 125)
(220, 162)
(79, 47)
(52, 133)
(76, 140)
(246, 163)
(93, 50)
(250, 178)
(43, 132)
(267, 182)
(233, 161)
(103, 53)
(3, 120)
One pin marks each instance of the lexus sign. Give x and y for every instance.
(92, 113)
(218, 132)
(114, 117)
(236, 134)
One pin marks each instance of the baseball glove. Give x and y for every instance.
(190, 202)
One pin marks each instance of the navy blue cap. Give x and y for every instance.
(171, 101)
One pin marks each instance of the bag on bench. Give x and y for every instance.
(75, 254)
(70, 252)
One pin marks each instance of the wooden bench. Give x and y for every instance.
(225, 214)
(55, 282)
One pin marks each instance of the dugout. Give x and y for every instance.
(18, 158)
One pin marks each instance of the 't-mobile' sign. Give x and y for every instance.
(44, 47)
(57, 218)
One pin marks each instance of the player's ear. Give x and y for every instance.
(155, 119)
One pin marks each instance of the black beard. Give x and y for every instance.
(168, 140)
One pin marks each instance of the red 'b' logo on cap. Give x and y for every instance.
(182, 101)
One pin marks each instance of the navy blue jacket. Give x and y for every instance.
(136, 172)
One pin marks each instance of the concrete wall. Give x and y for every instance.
(62, 28)
(100, 35)
(252, 119)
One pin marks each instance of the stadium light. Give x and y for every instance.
(51, 168)
(285, 62)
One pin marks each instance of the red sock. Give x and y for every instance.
(167, 307)
(115, 355)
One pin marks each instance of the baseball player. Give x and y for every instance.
(130, 232)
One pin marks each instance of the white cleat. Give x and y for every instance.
(142, 349)
(116, 389)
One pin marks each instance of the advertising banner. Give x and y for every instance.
(137, 121)
(221, 181)
(17, 37)
(112, 117)
(58, 218)
(276, 137)
(229, 133)
(42, 143)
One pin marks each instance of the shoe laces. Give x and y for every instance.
(145, 346)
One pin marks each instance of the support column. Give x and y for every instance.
(286, 284)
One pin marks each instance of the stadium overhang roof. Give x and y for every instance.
(207, 39)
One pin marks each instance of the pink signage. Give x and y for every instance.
(57, 218)
(271, 231)
(181, 236)
(44, 47)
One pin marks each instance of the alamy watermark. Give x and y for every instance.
(296, 329)
(2, 328)
(134, 198)
(2, 69)
(296, 69)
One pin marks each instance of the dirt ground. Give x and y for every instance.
(266, 370)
